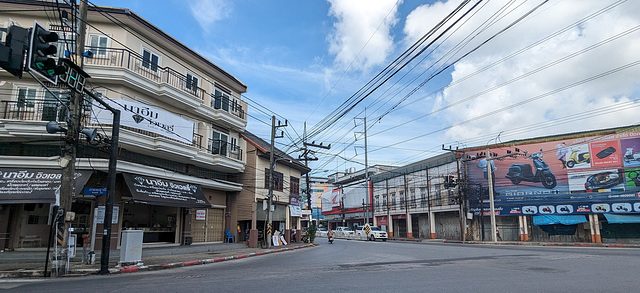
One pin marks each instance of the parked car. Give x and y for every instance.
(343, 232)
(374, 233)
(321, 232)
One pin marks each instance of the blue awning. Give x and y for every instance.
(557, 219)
(622, 219)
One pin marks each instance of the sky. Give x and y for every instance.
(420, 74)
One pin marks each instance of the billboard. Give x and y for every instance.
(586, 175)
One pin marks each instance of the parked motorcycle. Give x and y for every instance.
(519, 172)
(576, 158)
(630, 156)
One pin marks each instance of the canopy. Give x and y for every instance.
(32, 185)
(157, 191)
(622, 219)
(558, 219)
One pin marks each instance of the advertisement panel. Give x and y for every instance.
(585, 175)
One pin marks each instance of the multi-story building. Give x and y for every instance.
(420, 200)
(249, 208)
(180, 148)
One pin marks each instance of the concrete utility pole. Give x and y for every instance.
(366, 170)
(73, 125)
(271, 165)
(305, 157)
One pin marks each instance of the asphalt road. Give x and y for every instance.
(360, 266)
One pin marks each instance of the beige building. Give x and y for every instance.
(250, 207)
(180, 146)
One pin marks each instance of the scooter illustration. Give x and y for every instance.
(576, 158)
(519, 172)
(630, 156)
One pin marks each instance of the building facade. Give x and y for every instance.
(251, 204)
(180, 148)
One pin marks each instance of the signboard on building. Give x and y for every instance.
(585, 175)
(30, 185)
(158, 191)
(145, 117)
(201, 215)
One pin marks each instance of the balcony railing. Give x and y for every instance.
(123, 58)
(37, 110)
(223, 148)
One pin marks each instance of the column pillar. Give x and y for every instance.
(432, 225)
(409, 227)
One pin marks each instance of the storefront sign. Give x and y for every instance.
(98, 214)
(295, 211)
(148, 118)
(95, 191)
(201, 215)
(157, 191)
(35, 185)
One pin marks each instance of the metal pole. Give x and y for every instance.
(111, 191)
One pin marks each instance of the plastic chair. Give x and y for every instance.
(228, 238)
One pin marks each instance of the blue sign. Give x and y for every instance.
(95, 191)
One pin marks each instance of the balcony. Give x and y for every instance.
(125, 59)
(219, 155)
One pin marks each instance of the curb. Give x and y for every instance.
(143, 268)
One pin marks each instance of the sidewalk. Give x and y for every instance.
(30, 262)
(523, 243)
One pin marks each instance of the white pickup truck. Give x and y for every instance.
(374, 233)
(343, 232)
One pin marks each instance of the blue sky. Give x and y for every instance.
(572, 67)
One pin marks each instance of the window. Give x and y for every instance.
(26, 97)
(192, 82)
(219, 143)
(65, 43)
(220, 100)
(234, 145)
(277, 180)
(294, 185)
(98, 45)
(150, 60)
(55, 106)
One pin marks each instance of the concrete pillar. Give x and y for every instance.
(597, 238)
(432, 225)
(525, 224)
(390, 225)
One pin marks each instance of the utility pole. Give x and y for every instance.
(366, 168)
(271, 165)
(305, 157)
(70, 151)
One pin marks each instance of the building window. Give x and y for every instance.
(26, 97)
(150, 60)
(294, 185)
(192, 82)
(220, 100)
(218, 144)
(233, 145)
(277, 180)
(98, 45)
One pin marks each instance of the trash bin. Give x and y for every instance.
(131, 246)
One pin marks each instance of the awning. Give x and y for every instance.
(19, 186)
(157, 191)
(558, 219)
(622, 219)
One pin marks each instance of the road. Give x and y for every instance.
(361, 266)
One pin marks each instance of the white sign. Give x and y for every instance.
(98, 215)
(201, 215)
(144, 117)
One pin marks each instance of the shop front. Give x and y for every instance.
(161, 208)
(27, 198)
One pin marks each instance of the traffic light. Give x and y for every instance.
(41, 51)
(450, 181)
(13, 49)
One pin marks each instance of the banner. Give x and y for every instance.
(29, 185)
(157, 191)
(144, 117)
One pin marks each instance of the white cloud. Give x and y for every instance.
(361, 35)
(207, 12)
(556, 97)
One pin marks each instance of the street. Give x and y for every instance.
(362, 266)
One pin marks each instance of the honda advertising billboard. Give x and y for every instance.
(586, 175)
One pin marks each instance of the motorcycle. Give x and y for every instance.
(630, 156)
(519, 172)
(576, 158)
(330, 239)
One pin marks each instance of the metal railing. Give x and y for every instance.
(37, 110)
(134, 62)
(223, 148)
